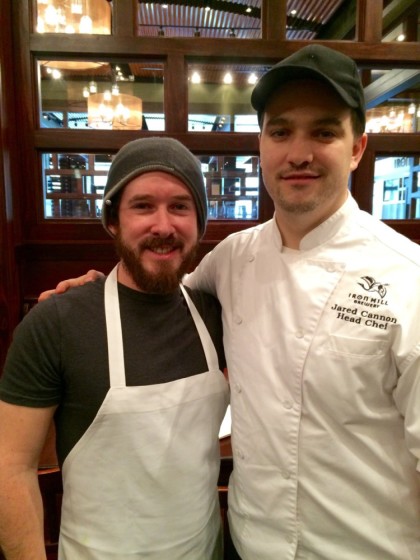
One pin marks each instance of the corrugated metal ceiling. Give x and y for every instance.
(219, 19)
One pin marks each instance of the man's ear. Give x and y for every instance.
(359, 148)
(113, 229)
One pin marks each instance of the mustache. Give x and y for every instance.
(160, 242)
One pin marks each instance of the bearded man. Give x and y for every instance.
(130, 369)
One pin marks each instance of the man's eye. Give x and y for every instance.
(326, 134)
(278, 133)
(141, 206)
(181, 207)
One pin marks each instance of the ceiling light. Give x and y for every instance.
(252, 78)
(196, 78)
(93, 87)
(56, 74)
(227, 79)
(248, 10)
(293, 12)
(401, 37)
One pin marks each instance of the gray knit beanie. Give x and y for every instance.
(156, 154)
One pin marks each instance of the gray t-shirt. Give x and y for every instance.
(59, 352)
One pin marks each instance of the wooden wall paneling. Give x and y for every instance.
(9, 177)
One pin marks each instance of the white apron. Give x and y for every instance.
(142, 480)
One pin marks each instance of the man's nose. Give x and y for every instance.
(162, 225)
(300, 151)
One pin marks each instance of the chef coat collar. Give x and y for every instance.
(325, 231)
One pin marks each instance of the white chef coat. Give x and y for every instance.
(323, 354)
(142, 481)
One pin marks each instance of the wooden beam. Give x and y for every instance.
(389, 85)
(273, 19)
(369, 21)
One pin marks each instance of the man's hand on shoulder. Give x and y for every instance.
(65, 285)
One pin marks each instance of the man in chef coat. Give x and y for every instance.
(130, 370)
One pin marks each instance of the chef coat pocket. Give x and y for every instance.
(350, 346)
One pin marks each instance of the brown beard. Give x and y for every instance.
(167, 279)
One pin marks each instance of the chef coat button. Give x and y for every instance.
(331, 268)
(238, 320)
(285, 474)
(251, 258)
(237, 388)
(300, 334)
(288, 404)
(241, 455)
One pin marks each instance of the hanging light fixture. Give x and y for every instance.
(116, 112)
(74, 16)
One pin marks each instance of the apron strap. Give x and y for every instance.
(114, 331)
(206, 340)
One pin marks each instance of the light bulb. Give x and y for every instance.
(228, 78)
(196, 78)
(85, 25)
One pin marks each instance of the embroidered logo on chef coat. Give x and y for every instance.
(371, 285)
(362, 308)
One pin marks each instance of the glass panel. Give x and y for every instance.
(74, 185)
(223, 20)
(219, 97)
(400, 21)
(393, 100)
(241, 19)
(73, 16)
(232, 186)
(101, 95)
(396, 192)
(330, 19)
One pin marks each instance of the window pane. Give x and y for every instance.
(74, 16)
(228, 19)
(232, 185)
(393, 100)
(396, 193)
(219, 97)
(400, 21)
(101, 95)
(330, 19)
(74, 185)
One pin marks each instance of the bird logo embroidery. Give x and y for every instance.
(371, 285)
